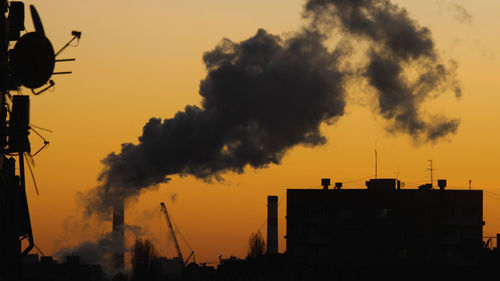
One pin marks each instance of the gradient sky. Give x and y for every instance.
(142, 59)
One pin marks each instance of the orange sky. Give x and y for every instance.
(142, 59)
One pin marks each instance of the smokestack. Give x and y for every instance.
(272, 224)
(119, 234)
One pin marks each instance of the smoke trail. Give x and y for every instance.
(267, 94)
(459, 12)
(396, 43)
(261, 97)
(173, 197)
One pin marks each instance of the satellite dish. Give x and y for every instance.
(32, 60)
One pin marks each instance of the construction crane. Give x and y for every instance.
(174, 237)
(189, 257)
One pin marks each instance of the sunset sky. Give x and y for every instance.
(143, 59)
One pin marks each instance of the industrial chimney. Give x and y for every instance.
(119, 235)
(272, 224)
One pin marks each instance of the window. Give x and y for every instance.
(383, 213)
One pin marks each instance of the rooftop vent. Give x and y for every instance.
(338, 185)
(325, 183)
(442, 184)
(425, 186)
(383, 184)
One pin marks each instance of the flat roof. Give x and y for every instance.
(361, 196)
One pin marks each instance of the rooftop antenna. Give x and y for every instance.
(431, 170)
(32, 60)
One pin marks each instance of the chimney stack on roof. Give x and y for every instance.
(338, 185)
(442, 184)
(325, 183)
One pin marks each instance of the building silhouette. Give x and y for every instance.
(43, 268)
(385, 225)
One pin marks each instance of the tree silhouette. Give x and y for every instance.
(142, 255)
(256, 245)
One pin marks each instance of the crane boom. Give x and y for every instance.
(191, 256)
(172, 232)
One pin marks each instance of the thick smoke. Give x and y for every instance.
(267, 94)
(261, 97)
(396, 44)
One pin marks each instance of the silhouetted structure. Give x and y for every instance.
(384, 224)
(195, 272)
(49, 269)
(272, 224)
(173, 269)
(174, 238)
(167, 269)
(119, 234)
(256, 245)
(143, 253)
(26, 59)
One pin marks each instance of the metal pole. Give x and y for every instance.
(4, 78)
(10, 246)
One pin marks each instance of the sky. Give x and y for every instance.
(143, 59)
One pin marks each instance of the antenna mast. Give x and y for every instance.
(26, 59)
(431, 170)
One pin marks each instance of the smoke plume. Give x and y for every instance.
(459, 12)
(261, 97)
(101, 251)
(267, 94)
(173, 197)
(396, 43)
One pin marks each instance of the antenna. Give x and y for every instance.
(37, 22)
(30, 63)
(32, 60)
(32, 174)
(431, 170)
